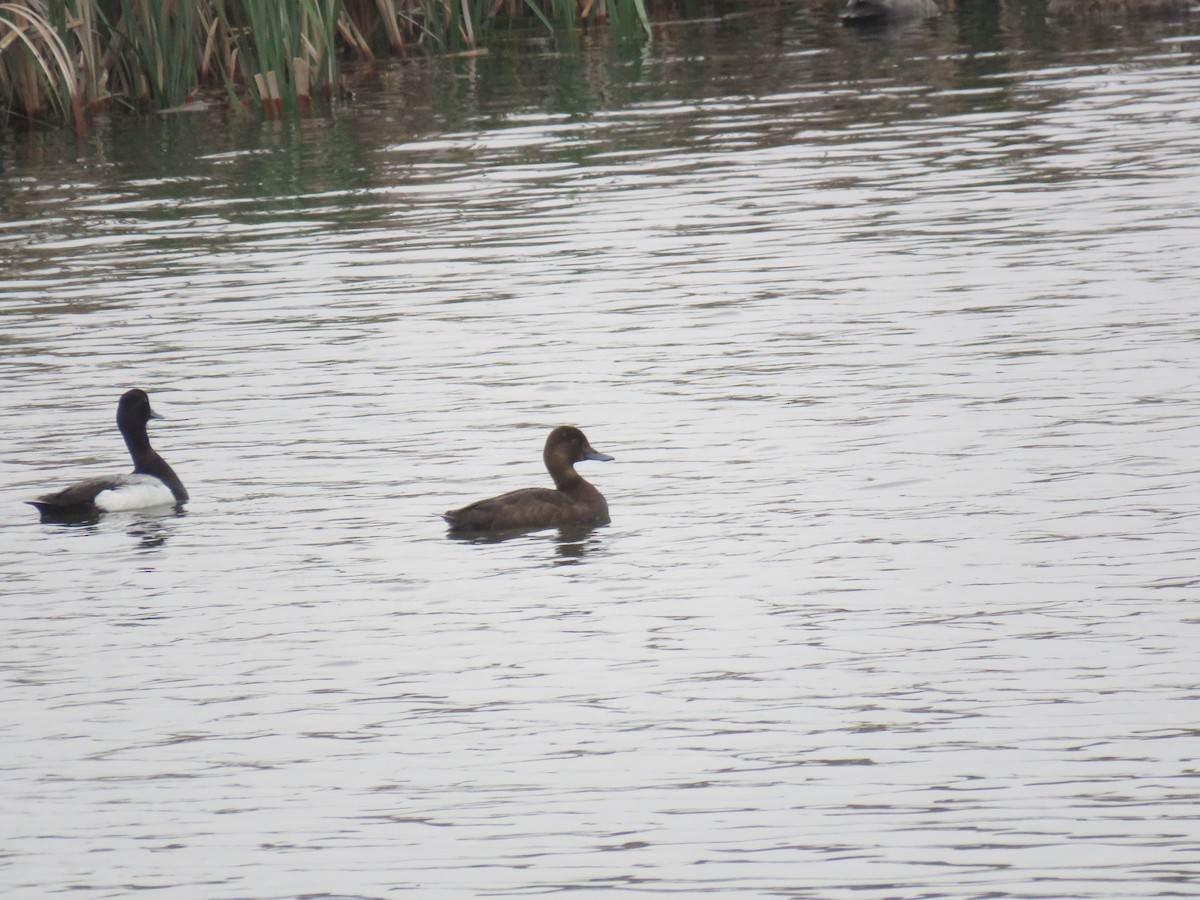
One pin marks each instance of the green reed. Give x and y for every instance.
(286, 51)
(159, 47)
(61, 58)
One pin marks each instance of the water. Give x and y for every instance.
(894, 340)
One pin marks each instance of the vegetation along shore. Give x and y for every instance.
(62, 59)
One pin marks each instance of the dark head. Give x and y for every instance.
(134, 409)
(133, 412)
(567, 445)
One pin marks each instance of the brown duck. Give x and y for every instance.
(572, 503)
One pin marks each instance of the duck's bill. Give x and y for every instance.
(593, 453)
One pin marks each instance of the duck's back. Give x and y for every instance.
(529, 508)
(108, 493)
(78, 496)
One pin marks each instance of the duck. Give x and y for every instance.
(573, 502)
(152, 482)
(878, 12)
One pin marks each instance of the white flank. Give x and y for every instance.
(138, 492)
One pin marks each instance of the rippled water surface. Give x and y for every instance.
(895, 340)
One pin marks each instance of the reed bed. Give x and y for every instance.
(62, 59)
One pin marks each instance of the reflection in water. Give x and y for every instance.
(573, 546)
(571, 542)
(152, 530)
(150, 527)
(896, 336)
(71, 518)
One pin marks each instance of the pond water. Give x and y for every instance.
(894, 339)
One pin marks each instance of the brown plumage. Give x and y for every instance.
(572, 501)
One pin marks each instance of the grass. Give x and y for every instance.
(61, 59)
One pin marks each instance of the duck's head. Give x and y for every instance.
(566, 446)
(133, 411)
